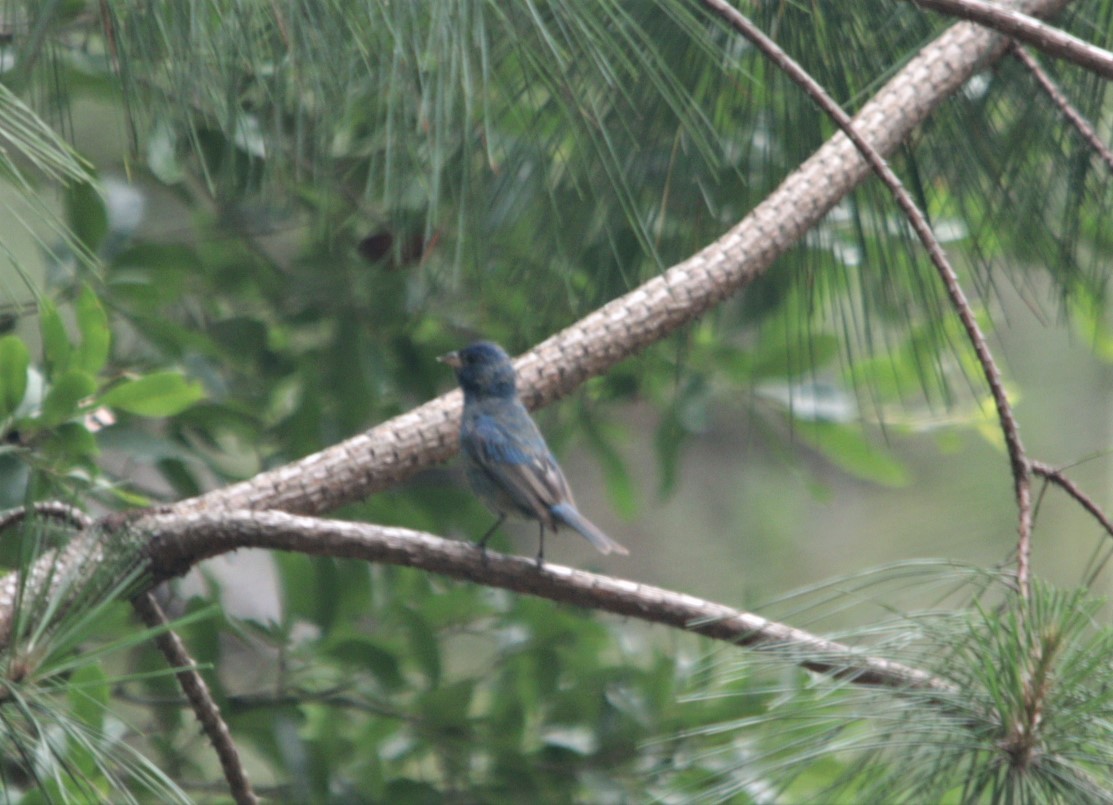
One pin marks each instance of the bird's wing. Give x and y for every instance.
(511, 451)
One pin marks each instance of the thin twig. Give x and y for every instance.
(1027, 29)
(1073, 116)
(1055, 475)
(1017, 457)
(175, 542)
(52, 509)
(200, 698)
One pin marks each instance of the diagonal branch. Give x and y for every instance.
(52, 509)
(175, 542)
(1027, 29)
(1017, 458)
(1073, 116)
(1056, 476)
(200, 698)
(393, 451)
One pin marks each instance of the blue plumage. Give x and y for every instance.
(509, 466)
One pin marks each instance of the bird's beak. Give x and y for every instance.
(451, 358)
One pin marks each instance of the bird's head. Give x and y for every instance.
(483, 370)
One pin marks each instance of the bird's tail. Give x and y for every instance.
(566, 513)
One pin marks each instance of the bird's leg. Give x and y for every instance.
(541, 547)
(490, 531)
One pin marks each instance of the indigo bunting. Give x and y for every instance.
(509, 466)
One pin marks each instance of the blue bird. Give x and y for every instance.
(509, 466)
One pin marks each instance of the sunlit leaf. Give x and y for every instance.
(848, 448)
(14, 361)
(158, 394)
(56, 343)
(88, 693)
(1088, 318)
(92, 322)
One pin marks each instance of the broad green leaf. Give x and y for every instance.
(88, 694)
(1088, 318)
(56, 344)
(65, 394)
(95, 334)
(69, 442)
(87, 216)
(14, 361)
(848, 448)
(158, 394)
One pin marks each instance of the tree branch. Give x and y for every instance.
(52, 509)
(200, 698)
(1027, 29)
(1055, 476)
(1018, 459)
(175, 542)
(393, 451)
(171, 646)
(1073, 116)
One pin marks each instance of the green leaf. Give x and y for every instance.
(14, 361)
(95, 334)
(65, 394)
(70, 442)
(1088, 318)
(56, 344)
(87, 690)
(86, 214)
(847, 447)
(158, 394)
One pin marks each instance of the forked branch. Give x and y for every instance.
(199, 696)
(1018, 459)
(1066, 108)
(1027, 29)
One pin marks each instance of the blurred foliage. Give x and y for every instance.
(354, 188)
(1025, 721)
